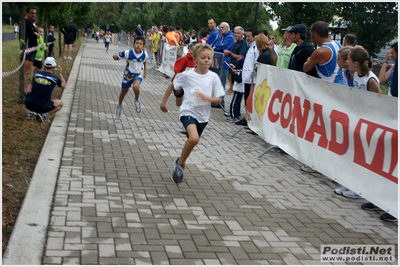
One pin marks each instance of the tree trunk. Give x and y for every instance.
(21, 93)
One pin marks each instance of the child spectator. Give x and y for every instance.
(181, 64)
(38, 62)
(38, 93)
(201, 87)
(155, 38)
(193, 38)
(238, 91)
(134, 73)
(348, 75)
(360, 62)
(50, 41)
(343, 55)
(204, 37)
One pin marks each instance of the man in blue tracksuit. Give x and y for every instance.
(226, 43)
(214, 33)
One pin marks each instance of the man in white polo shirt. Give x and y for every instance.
(248, 65)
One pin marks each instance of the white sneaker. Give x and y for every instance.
(138, 106)
(340, 190)
(350, 194)
(31, 115)
(42, 117)
(65, 57)
(70, 58)
(119, 111)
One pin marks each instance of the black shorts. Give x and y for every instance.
(68, 40)
(30, 56)
(187, 120)
(38, 64)
(37, 107)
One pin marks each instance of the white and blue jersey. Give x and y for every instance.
(330, 71)
(134, 66)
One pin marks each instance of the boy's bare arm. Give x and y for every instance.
(168, 92)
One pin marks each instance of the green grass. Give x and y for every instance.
(10, 59)
(7, 29)
(22, 139)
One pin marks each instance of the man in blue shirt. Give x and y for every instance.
(139, 31)
(214, 34)
(226, 43)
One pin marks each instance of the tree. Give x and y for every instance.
(291, 13)
(374, 23)
(189, 15)
(106, 13)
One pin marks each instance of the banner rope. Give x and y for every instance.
(8, 73)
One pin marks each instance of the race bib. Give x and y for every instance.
(197, 101)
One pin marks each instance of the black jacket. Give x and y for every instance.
(69, 31)
(299, 56)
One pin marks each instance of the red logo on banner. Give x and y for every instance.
(292, 113)
(375, 148)
(249, 102)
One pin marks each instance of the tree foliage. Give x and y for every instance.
(291, 13)
(190, 15)
(374, 23)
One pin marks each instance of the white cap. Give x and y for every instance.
(50, 62)
(287, 28)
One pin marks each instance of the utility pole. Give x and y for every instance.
(255, 17)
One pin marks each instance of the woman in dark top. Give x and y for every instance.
(262, 46)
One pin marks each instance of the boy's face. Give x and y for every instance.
(40, 31)
(138, 46)
(51, 29)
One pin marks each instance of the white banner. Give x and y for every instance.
(347, 134)
(168, 59)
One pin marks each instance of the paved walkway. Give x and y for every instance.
(115, 202)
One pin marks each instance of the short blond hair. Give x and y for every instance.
(197, 48)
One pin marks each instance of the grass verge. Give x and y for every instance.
(22, 139)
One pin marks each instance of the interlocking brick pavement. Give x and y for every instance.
(115, 202)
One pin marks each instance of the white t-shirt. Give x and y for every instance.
(192, 82)
(362, 82)
(249, 61)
